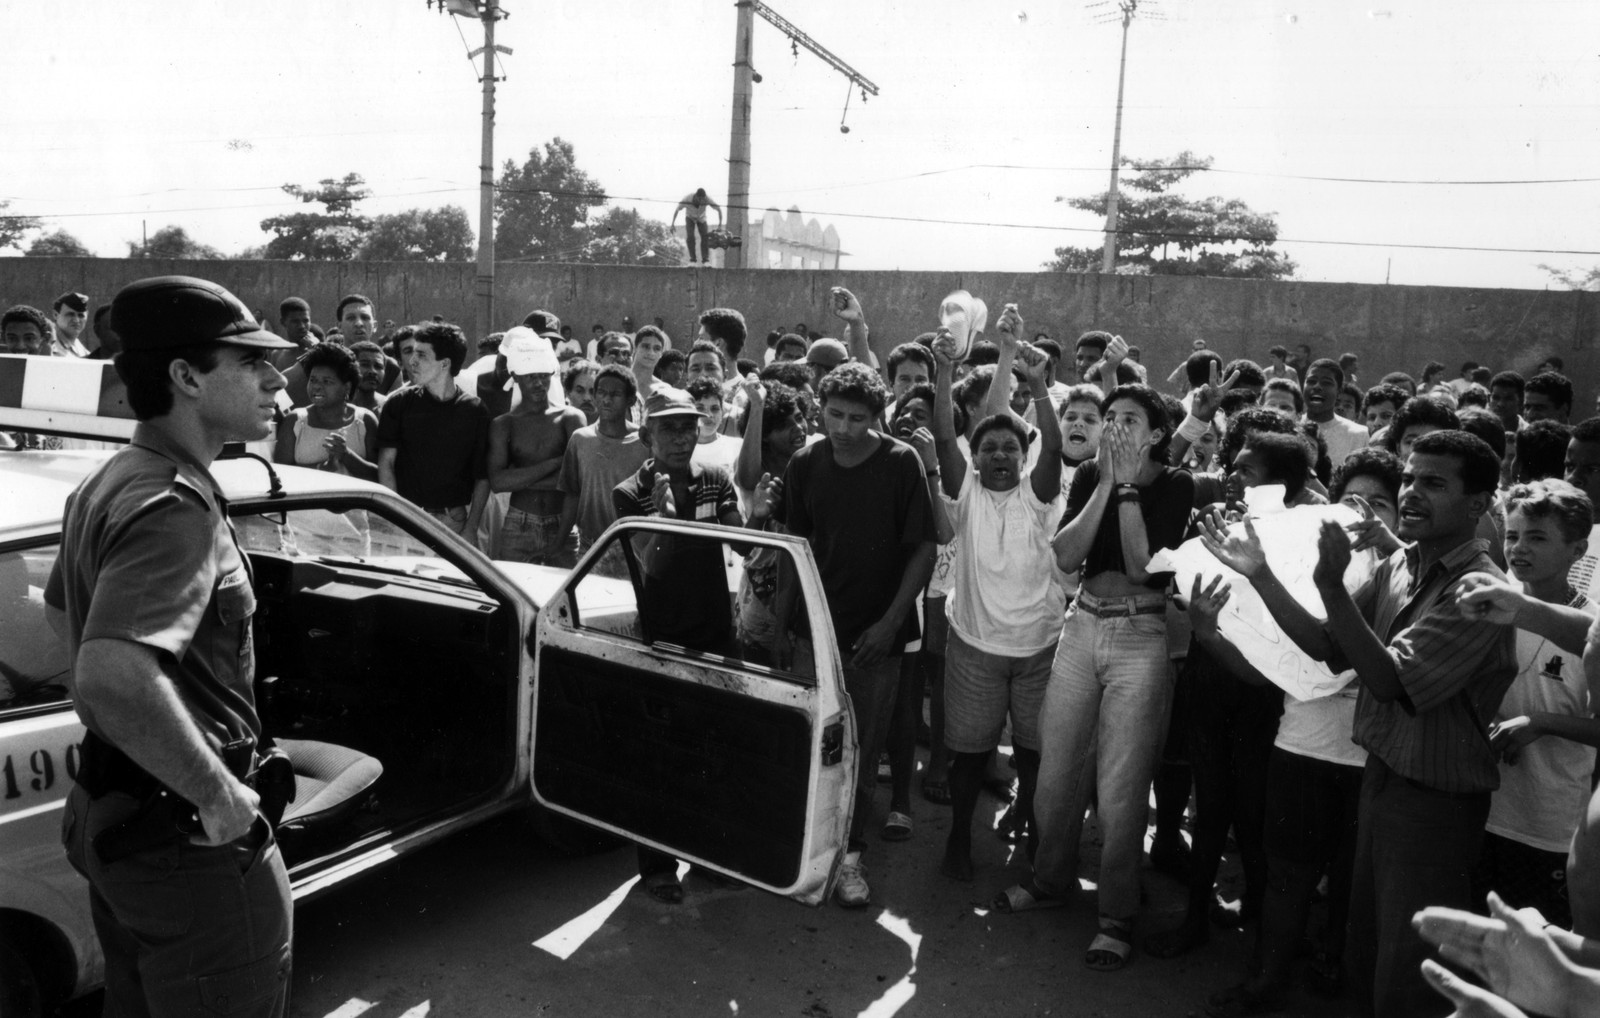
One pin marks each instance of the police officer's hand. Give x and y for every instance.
(230, 818)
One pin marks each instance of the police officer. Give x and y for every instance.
(188, 891)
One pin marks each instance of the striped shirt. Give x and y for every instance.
(1454, 670)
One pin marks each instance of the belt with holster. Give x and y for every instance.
(163, 815)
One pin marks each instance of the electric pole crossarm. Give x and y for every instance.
(782, 24)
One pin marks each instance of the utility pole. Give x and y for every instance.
(488, 12)
(739, 135)
(744, 77)
(1108, 259)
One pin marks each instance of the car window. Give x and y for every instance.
(345, 535)
(33, 658)
(699, 594)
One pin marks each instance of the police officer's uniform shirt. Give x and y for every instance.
(147, 555)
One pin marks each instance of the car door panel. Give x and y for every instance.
(743, 768)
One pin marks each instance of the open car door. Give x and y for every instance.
(657, 715)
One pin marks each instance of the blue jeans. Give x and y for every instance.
(1415, 847)
(536, 538)
(1103, 719)
(186, 929)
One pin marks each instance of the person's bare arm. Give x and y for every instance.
(505, 477)
(1046, 475)
(1127, 459)
(923, 442)
(1497, 599)
(873, 645)
(845, 306)
(1361, 647)
(1007, 331)
(1204, 608)
(134, 700)
(386, 458)
(480, 497)
(747, 471)
(283, 448)
(952, 465)
(1073, 541)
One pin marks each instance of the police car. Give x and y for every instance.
(418, 687)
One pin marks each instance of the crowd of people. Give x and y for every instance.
(985, 521)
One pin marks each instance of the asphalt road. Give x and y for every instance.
(493, 923)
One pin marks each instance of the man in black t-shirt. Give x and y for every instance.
(433, 437)
(861, 500)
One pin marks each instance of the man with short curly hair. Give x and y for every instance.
(861, 501)
(433, 436)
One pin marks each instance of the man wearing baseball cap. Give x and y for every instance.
(526, 449)
(72, 314)
(188, 890)
(684, 590)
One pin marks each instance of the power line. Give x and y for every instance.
(879, 217)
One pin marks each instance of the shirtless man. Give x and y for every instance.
(526, 447)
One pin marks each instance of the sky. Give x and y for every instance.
(1448, 120)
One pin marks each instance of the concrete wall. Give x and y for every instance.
(1390, 327)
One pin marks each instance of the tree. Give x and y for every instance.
(1212, 236)
(624, 237)
(420, 235)
(334, 235)
(1574, 279)
(171, 242)
(59, 244)
(542, 206)
(13, 227)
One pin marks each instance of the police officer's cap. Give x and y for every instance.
(169, 312)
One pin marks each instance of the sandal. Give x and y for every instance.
(936, 792)
(1109, 950)
(665, 888)
(898, 827)
(1026, 897)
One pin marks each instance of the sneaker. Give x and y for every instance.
(852, 891)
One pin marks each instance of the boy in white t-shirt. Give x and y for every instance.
(1006, 599)
(1544, 783)
(714, 448)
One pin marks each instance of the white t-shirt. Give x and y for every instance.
(1542, 797)
(1342, 438)
(1321, 728)
(722, 451)
(1585, 573)
(1007, 597)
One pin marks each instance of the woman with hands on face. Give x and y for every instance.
(1106, 702)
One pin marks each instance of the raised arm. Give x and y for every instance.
(1007, 334)
(923, 442)
(1202, 410)
(1046, 476)
(952, 465)
(747, 471)
(1361, 647)
(846, 307)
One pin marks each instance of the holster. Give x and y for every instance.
(163, 816)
